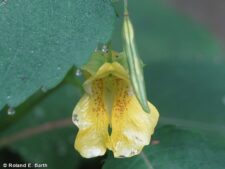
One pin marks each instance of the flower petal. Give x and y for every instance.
(92, 120)
(105, 70)
(131, 126)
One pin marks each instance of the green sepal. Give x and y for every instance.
(135, 65)
(121, 59)
(96, 60)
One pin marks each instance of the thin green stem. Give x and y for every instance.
(109, 45)
(125, 7)
(29, 132)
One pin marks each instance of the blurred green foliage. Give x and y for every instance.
(185, 79)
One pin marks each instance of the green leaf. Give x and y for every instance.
(191, 94)
(175, 149)
(53, 147)
(41, 40)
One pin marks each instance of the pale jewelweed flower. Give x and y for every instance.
(109, 115)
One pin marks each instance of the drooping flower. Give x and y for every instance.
(109, 115)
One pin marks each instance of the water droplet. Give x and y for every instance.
(31, 51)
(44, 89)
(105, 49)
(78, 72)
(8, 97)
(11, 111)
(59, 68)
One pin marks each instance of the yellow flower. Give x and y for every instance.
(108, 104)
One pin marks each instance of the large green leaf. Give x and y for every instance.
(41, 39)
(176, 149)
(53, 147)
(189, 95)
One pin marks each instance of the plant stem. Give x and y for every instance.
(125, 7)
(26, 133)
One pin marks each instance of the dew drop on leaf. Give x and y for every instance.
(104, 49)
(78, 72)
(11, 111)
(44, 89)
(59, 68)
